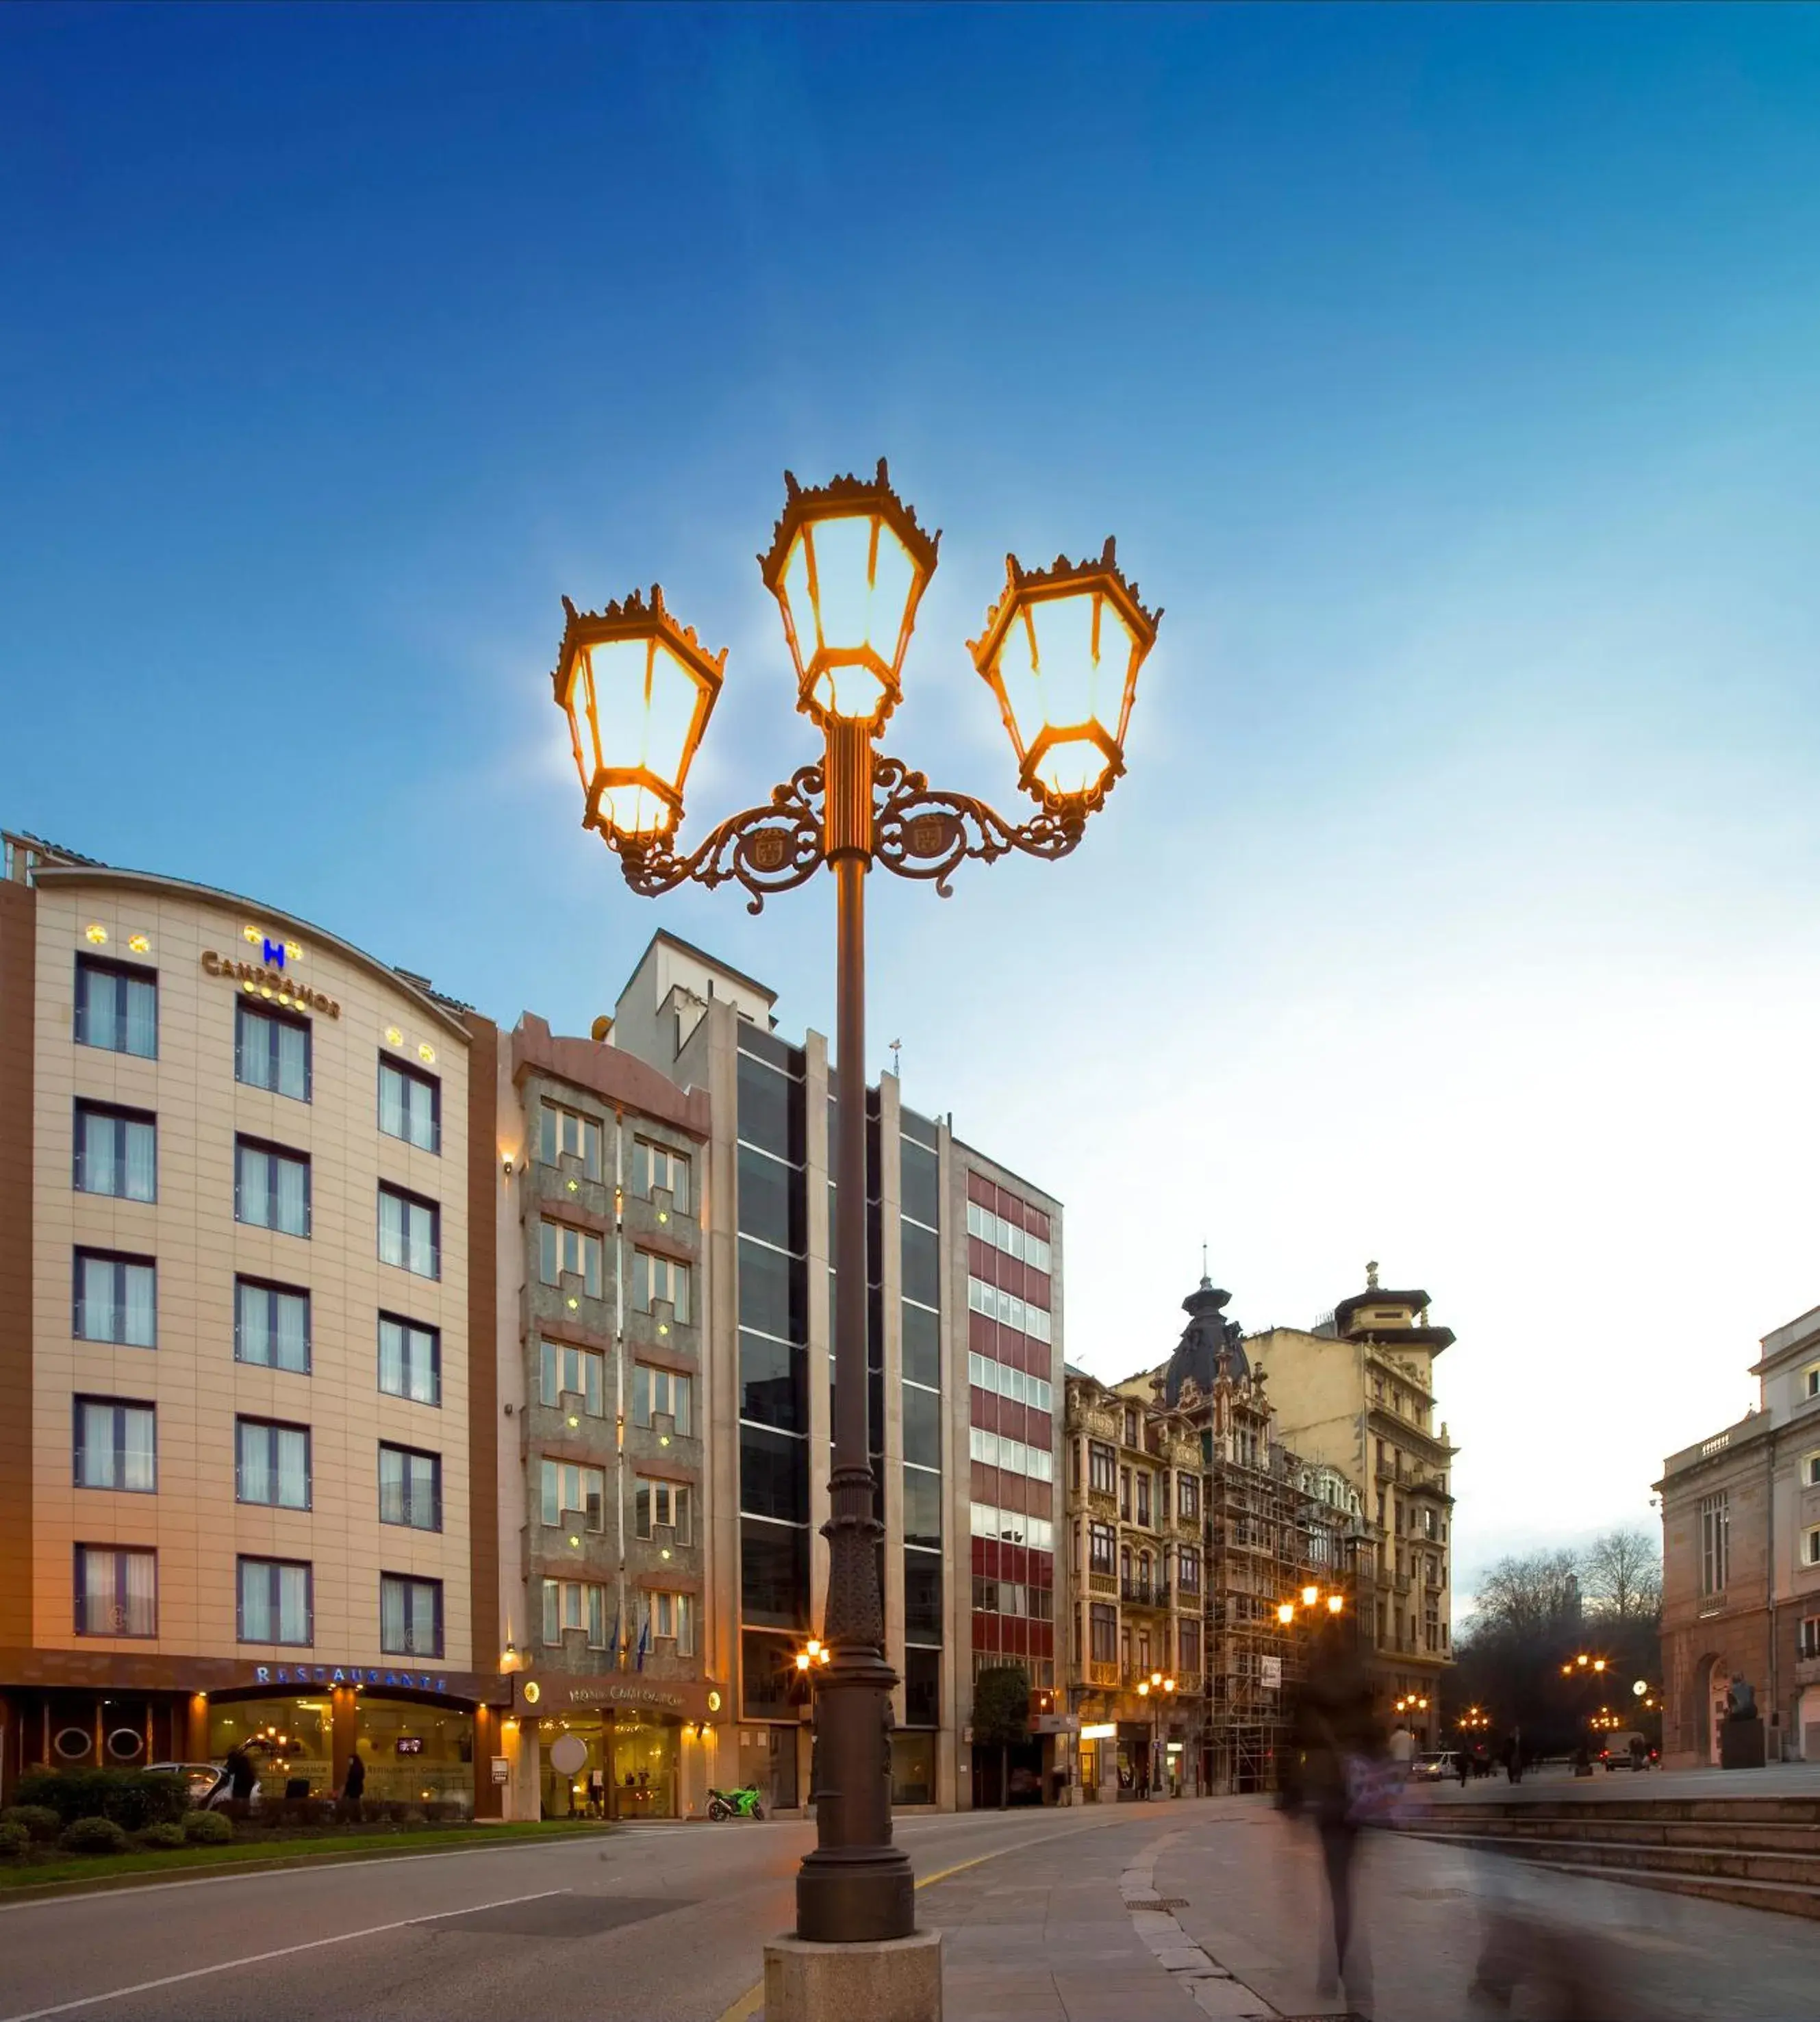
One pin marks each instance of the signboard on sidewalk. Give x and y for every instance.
(1270, 1671)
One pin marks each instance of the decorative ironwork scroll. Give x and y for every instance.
(768, 849)
(919, 831)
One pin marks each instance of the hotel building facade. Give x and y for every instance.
(246, 1343)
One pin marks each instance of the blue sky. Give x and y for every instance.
(1449, 375)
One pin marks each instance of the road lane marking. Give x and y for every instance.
(753, 1999)
(284, 1951)
(287, 1873)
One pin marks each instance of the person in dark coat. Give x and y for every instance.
(354, 1785)
(1333, 1725)
(241, 1776)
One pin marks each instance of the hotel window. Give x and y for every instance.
(271, 1188)
(569, 1252)
(116, 1007)
(275, 1603)
(655, 1168)
(1102, 1472)
(116, 1152)
(655, 1279)
(410, 1616)
(116, 1446)
(1143, 1498)
(673, 1616)
(1100, 1546)
(1809, 1645)
(656, 1393)
(272, 1050)
(1810, 1470)
(579, 1605)
(116, 1299)
(1188, 1498)
(662, 1506)
(411, 1105)
(410, 1488)
(575, 1372)
(1715, 1542)
(565, 1135)
(569, 1490)
(410, 1360)
(116, 1592)
(271, 1464)
(272, 1325)
(411, 1232)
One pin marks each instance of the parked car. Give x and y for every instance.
(208, 1783)
(1625, 1751)
(1434, 1766)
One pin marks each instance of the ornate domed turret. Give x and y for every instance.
(1211, 1346)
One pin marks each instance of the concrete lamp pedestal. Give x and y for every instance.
(893, 1980)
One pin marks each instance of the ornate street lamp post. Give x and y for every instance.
(1060, 650)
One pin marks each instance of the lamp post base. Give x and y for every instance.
(897, 1980)
(847, 1895)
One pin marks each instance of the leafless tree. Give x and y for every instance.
(1527, 1593)
(1622, 1574)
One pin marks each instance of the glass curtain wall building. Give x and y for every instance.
(767, 1344)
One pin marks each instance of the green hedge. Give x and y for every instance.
(133, 1798)
(94, 1835)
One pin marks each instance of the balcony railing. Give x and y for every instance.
(1102, 1672)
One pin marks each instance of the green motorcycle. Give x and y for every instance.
(742, 1803)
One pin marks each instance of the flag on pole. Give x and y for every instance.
(644, 1631)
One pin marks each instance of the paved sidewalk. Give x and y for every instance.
(1205, 1910)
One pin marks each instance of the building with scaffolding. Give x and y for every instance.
(1284, 1539)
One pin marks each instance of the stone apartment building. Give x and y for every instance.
(1136, 1587)
(1741, 1562)
(1355, 1394)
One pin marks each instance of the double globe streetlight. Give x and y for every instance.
(1060, 651)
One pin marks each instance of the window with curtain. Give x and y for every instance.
(271, 1464)
(116, 1006)
(272, 1325)
(116, 1299)
(116, 1151)
(116, 1591)
(116, 1445)
(411, 1105)
(673, 1616)
(410, 1360)
(409, 1232)
(271, 1187)
(276, 1603)
(662, 1392)
(1100, 1538)
(272, 1050)
(574, 1604)
(656, 1168)
(572, 1491)
(566, 1135)
(655, 1278)
(1188, 1646)
(565, 1251)
(568, 1371)
(410, 1616)
(410, 1488)
(662, 1505)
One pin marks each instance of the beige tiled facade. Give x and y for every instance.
(359, 1012)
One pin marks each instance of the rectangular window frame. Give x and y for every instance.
(409, 1585)
(656, 1169)
(252, 1422)
(246, 1287)
(248, 1563)
(403, 1109)
(410, 1331)
(116, 1446)
(657, 1279)
(261, 1186)
(410, 1254)
(259, 1048)
(566, 1251)
(121, 1555)
(117, 1018)
(410, 1496)
(85, 1166)
(656, 1391)
(83, 1306)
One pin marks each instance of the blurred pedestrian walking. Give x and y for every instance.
(1342, 1778)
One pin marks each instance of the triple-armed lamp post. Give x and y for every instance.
(1060, 651)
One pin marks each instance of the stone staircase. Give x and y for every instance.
(1763, 1852)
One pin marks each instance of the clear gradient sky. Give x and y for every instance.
(1452, 378)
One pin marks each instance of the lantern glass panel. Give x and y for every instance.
(1081, 669)
(646, 701)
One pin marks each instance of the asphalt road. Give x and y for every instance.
(665, 1923)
